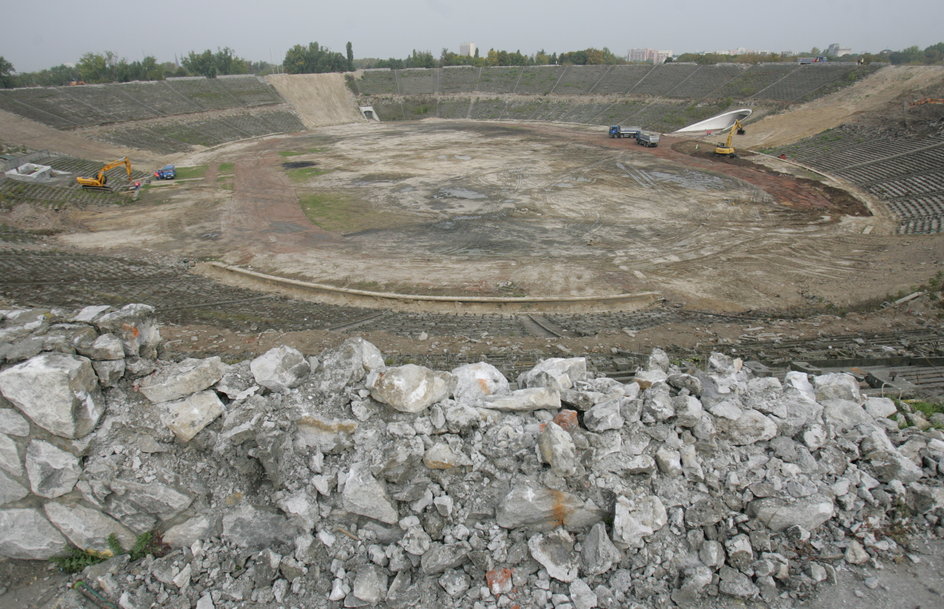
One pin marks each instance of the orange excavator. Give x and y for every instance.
(927, 100)
(100, 180)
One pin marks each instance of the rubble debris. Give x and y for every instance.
(332, 480)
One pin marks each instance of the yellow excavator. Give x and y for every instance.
(726, 149)
(100, 180)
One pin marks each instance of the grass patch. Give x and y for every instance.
(226, 167)
(302, 174)
(330, 211)
(184, 173)
(225, 183)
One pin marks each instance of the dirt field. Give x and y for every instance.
(489, 209)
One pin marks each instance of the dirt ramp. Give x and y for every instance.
(873, 93)
(319, 99)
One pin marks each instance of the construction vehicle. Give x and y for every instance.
(726, 149)
(647, 139)
(617, 131)
(99, 182)
(167, 172)
(927, 100)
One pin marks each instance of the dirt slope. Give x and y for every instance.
(319, 99)
(873, 93)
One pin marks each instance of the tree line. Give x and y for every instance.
(313, 58)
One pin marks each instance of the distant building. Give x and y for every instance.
(833, 50)
(468, 49)
(648, 55)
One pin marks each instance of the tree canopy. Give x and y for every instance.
(315, 59)
(6, 73)
(223, 61)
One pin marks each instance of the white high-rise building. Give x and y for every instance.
(468, 49)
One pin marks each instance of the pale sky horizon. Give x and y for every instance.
(64, 30)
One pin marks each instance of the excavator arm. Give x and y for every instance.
(101, 179)
(727, 149)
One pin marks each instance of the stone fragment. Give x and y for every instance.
(688, 410)
(365, 496)
(476, 381)
(880, 408)
(10, 456)
(455, 583)
(410, 388)
(153, 498)
(537, 507)
(52, 472)
(370, 584)
(109, 372)
(555, 552)
(346, 365)
(13, 424)
(555, 373)
(182, 379)
(557, 449)
(11, 490)
(442, 557)
(705, 512)
(669, 461)
(524, 400)
(837, 386)
(90, 313)
(56, 391)
(135, 326)
(604, 416)
(739, 550)
(441, 456)
(186, 533)
(637, 518)
(749, 428)
(86, 528)
(256, 528)
(279, 369)
(26, 534)
(855, 554)
(499, 581)
(711, 553)
(324, 434)
(105, 347)
(415, 541)
(736, 584)
(598, 554)
(187, 417)
(581, 595)
(779, 514)
(891, 465)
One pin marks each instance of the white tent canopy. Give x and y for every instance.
(717, 123)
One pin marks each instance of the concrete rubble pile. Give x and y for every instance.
(337, 481)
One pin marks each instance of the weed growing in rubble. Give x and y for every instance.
(77, 560)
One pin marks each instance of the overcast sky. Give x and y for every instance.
(53, 32)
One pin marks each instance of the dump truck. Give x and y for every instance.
(618, 131)
(647, 139)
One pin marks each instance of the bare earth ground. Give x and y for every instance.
(472, 209)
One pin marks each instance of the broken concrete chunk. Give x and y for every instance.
(255, 528)
(370, 584)
(476, 381)
(524, 400)
(135, 326)
(56, 391)
(557, 449)
(154, 498)
(326, 435)
(599, 554)
(555, 552)
(86, 528)
(410, 388)
(604, 416)
(348, 364)
(555, 373)
(180, 380)
(533, 506)
(11, 490)
(26, 534)
(187, 417)
(636, 518)
(779, 514)
(280, 369)
(837, 386)
(52, 472)
(105, 347)
(365, 496)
